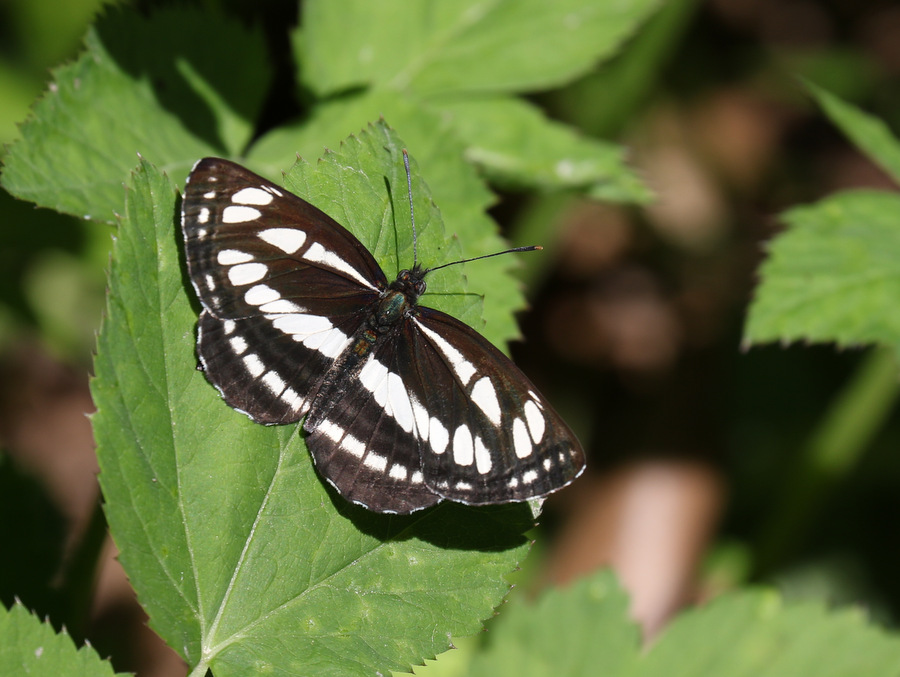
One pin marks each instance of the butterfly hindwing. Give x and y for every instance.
(490, 436)
(436, 412)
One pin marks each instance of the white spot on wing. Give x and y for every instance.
(203, 217)
(417, 477)
(330, 343)
(292, 398)
(389, 392)
(529, 476)
(247, 273)
(288, 240)
(463, 368)
(261, 294)
(521, 439)
(240, 214)
(209, 195)
(535, 420)
(398, 400)
(319, 254)
(301, 325)
(482, 457)
(398, 472)
(373, 374)
(274, 383)
(238, 344)
(228, 326)
(252, 196)
(353, 446)
(313, 331)
(280, 306)
(334, 344)
(375, 461)
(537, 400)
(254, 364)
(421, 416)
(331, 430)
(229, 257)
(463, 451)
(438, 436)
(484, 395)
(338, 435)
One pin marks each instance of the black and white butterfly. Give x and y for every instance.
(405, 405)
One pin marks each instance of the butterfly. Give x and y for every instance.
(404, 405)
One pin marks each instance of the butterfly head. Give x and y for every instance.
(411, 282)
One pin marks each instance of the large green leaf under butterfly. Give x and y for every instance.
(405, 405)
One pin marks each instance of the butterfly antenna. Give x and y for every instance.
(529, 248)
(412, 216)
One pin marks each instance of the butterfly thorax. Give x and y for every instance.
(396, 302)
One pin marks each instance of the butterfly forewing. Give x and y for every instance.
(280, 302)
(253, 248)
(405, 405)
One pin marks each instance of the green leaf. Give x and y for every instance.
(517, 145)
(757, 633)
(833, 275)
(581, 630)
(143, 86)
(457, 189)
(871, 134)
(30, 647)
(245, 561)
(452, 46)
(585, 630)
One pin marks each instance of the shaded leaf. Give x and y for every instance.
(453, 46)
(871, 134)
(757, 633)
(580, 630)
(517, 145)
(143, 86)
(584, 630)
(31, 647)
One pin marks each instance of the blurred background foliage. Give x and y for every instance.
(635, 326)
